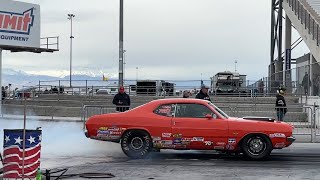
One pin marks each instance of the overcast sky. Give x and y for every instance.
(165, 39)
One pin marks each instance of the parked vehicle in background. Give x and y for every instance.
(229, 83)
(155, 88)
(26, 92)
(102, 92)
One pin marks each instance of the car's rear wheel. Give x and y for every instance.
(136, 144)
(256, 147)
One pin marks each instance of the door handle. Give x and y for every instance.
(175, 122)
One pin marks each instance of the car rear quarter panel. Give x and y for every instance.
(142, 119)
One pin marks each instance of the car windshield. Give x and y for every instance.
(223, 114)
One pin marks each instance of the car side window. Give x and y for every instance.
(165, 110)
(192, 111)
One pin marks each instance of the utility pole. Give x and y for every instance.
(121, 45)
(70, 17)
(124, 65)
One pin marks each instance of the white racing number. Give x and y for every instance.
(208, 143)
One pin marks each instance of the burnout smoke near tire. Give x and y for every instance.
(136, 144)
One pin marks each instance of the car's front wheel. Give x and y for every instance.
(136, 144)
(256, 147)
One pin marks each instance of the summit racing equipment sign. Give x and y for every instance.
(19, 24)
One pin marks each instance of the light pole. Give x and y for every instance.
(121, 44)
(235, 65)
(70, 17)
(137, 73)
(124, 64)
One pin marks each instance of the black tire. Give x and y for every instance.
(256, 147)
(136, 144)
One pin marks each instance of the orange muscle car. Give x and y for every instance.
(188, 124)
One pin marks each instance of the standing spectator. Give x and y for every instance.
(121, 100)
(15, 93)
(3, 94)
(315, 85)
(6, 90)
(306, 83)
(317, 82)
(9, 94)
(261, 87)
(203, 94)
(281, 104)
(186, 94)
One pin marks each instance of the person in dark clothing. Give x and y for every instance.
(281, 104)
(3, 94)
(203, 94)
(306, 83)
(121, 100)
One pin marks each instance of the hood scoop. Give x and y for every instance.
(257, 118)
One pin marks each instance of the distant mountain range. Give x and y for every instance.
(20, 79)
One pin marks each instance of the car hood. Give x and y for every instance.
(255, 118)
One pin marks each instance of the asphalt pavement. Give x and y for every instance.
(65, 146)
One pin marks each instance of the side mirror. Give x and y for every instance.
(208, 116)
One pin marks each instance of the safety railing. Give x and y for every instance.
(305, 79)
(267, 88)
(309, 20)
(91, 110)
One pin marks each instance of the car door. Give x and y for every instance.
(192, 129)
(161, 132)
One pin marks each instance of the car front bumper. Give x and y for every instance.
(291, 139)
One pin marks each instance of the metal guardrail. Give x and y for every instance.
(91, 110)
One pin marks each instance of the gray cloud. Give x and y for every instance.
(166, 39)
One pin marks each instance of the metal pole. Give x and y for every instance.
(24, 134)
(287, 74)
(59, 90)
(124, 64)
(279, 64)
(313, 123)
(271, 72)
(39, 90)
(121, 45)
(86, 87)
(71, 54)
(71, 16)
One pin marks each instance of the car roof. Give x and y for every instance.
(150, 106)
(180, 100)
